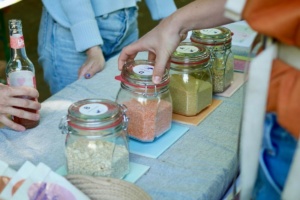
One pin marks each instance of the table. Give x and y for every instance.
(200, 165)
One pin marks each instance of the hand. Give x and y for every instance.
(160, 43)
(8, 101)
(163, 40)
(94, 63)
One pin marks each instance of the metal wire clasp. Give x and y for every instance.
(63, 125)
(125, 118)
(145, 94)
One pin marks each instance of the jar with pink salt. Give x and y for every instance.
(149, 105)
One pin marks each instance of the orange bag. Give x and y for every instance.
(284, 96)
(280, 19)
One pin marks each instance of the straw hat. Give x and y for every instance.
(107, 188)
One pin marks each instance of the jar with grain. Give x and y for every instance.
(218, 40)
(149, 105)
(96, 142)
(190, 79)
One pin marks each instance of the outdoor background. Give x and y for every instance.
(29, 11)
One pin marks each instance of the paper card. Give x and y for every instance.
(159, 145)
(36, 176)
(196, 120)
(43, 183)
(6, 173)
(16, 181)
(238, 81)
(241, 65)
(136, 171)
(242, 39)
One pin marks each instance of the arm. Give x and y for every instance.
(8, 101)
(86, 35)
(161, 41)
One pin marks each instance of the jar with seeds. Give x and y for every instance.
(149, 105)
(218, 40)
(190, 79)
(96, 142)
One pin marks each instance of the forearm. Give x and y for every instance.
(198, 15)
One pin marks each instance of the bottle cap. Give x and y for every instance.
(212, 36)
(95, 114)
(138, 73)
(189, 54)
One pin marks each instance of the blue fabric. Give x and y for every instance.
(276, 156)
(79, 16)
(57, 52)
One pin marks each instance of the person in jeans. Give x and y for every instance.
(77, 37)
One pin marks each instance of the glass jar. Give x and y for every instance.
(96, 142)
(149, 105)
(190, 79)
(218, 40)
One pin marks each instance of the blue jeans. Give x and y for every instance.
(56, 48)
(275, 159)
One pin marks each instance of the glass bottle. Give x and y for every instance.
(149, 105)
(97, 141)
(218, 41)
(191, 84)
(19, 69)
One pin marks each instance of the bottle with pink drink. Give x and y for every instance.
(19, 69)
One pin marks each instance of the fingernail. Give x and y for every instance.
(87, 75)
(157, 79)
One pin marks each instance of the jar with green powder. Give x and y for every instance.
(190, 79)
(149, 105)
(218, 41)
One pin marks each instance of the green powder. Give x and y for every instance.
(189, 94)
(222, 73)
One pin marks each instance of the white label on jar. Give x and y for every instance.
(187, 49)
(143, 69)
(21, 78)
(93, 109)
(211, 31)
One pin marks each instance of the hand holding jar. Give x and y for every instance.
(163, 40)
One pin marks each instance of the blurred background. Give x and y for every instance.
(29, 11)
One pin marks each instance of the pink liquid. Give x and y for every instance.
(26, 122)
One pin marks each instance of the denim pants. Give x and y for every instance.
(275, 159)
(56, 48)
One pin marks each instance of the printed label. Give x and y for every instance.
(211, 31)
(49, 191)
(187, 49)
(93, 109)
(21, 78)
(17, 41)
(143, 69)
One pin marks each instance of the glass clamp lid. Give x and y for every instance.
(138, 73)
(217, 35)
(95, 114)
(189, 53)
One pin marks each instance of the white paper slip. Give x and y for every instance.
(159, 145)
